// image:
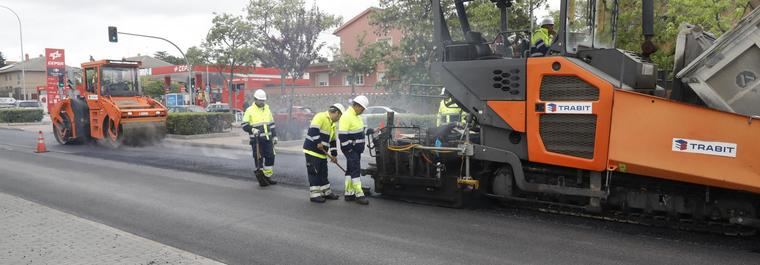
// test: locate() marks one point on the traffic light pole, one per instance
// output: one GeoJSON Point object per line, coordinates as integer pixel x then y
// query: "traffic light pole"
{"type": "Point", "coordinates": [187, 62]}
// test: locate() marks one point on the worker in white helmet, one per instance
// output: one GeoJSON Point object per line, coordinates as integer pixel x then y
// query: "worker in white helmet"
{"type": "Point", "coordinates": [448, 110]}
{"type": "Point", "coordinates": [319, 145]}
{"type": "Point", "coordinates": [351, 136]}
{"type": "Point", "coordinates": [541, 40]}
{"type": "Point", "coordinates": [259, 124]}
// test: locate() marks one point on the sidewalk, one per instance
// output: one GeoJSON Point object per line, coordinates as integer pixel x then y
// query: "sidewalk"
{"type": "Point", "coordinates": [35, 234]}
{"type": "Point", "coordinates": [234, 140]}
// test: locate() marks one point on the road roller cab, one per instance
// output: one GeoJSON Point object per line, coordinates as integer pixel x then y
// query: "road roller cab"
{"type": "Point", "coordinates": [110, 108]}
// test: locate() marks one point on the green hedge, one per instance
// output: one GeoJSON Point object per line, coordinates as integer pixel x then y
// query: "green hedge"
{"type": "Point", "coordinates": [402, 119]}
{"type": "Point", "coordinates": [198, 123]}
{"type": "Point", "coordinates": [20, 115]}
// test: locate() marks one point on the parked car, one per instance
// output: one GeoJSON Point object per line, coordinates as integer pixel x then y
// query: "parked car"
{"type": "Point", "coordinates": [7, 103]}
{"type": "Point", "coordinates": [28, 104]}
{"type": "Point", "coordinates": [186, 108]}
{"type": "Point", "coordinates": [373, 115]}
{"type": "Point", "coordinates": [296, 128]}
{"type": "Point", "coordinates": [218, 107]}
{"type": "Point", "coordinates": [382, 110]}
{"type": "Point", "coordinates": [238, 115]}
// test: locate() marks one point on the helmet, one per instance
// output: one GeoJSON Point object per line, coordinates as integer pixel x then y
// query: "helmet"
{"type": "Point", "coordinates": [547, 21]}
{"type": "Point", "coordinates": [339, 107]}
{"type": "Point", "coordinates": [362, 100]}
{"type": "Point", "coordinates": [443, 91]}
{"type": "Point", "coordinates": [260, 94]}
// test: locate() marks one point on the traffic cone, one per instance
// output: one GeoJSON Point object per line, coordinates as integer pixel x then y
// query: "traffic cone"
{"type": "Point", "coordinates": [41, 144]}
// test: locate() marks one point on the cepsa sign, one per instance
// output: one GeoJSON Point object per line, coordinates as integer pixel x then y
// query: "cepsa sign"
{"type": "Point", "coordinates": [55, 58]}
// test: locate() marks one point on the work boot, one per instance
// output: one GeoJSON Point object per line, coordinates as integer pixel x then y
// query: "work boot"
{"type": "Point", "coordinates": [318, 199]}
{"type": "Point", "coordinates": [260, 177]}
{"type": "Point", "coordinates": [362, 200]}
{"type": "Point", "coordinates": [349, 198]}
{"type": "Point", "coordinates": [271, 181]}
{"type": "Point", "coordinates": [331, 196]}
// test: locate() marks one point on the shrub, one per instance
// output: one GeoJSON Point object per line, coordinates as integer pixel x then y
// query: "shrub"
{"type": "Point", "coordinates": [20, 115]}
{"type": "Point", "coordinates": [187, 123]}
{"type": "Point", "coordinates": [219, 121]}
{"type": "Point", "coordinates": [198, 123]}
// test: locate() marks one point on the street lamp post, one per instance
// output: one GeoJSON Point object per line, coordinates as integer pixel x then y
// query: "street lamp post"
{"type": "Point", "coordinates": [21, 41]}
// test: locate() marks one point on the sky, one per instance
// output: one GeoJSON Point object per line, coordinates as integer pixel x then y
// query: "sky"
{"type": "Point", "coordinates": [80, 27]}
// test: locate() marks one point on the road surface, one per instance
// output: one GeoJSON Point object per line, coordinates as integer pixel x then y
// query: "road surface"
{"type": "Point", "coordinates": [205, 203]}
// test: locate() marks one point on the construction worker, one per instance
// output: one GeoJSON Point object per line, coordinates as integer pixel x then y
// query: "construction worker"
{"type": "Point", "coordinates": [259, 124]}
{"type": "Point", "coordinates": [541, 40]}
{"type": "Point", "coordinates": [351, 136]}
{"type": "Point", "coordinates": [448, 111]}
{"type": "Point", "coordinates": [319, 138]}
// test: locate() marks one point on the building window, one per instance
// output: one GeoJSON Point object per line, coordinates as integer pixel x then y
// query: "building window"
{"type": "Point", "coordinates": [323, 79]}
{"type": "Point", "coordinates": [380, 76]}
{"type": "Point", "coordinates": [359, 80]}
{"type": "Point", "coordinates": [388, 40]}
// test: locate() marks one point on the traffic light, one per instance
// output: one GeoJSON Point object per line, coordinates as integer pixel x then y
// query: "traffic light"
{"type": "Point", "coordinates": [60, 81]}
{"type": "Point", "coordinates": [113, 35]}
{"type": "Point", "coordinates": [192, 82]}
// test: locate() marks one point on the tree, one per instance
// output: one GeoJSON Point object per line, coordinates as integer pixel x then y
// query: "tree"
{"type": "Point", "coordinates": [228, 44]}
{"type": "Point", "coordinates": [408, 63]}
{"type": "Point", "coordinates": [287, 32]}
{"type": "Point", "coordinates": [716, 16]}
{"type": "Point", "coordinates": [2, 59]}
{"type": "Point", "coordinates": [155, 89]}
{"type": "Point", "coordinates": [196, 56]}
{"type": "Point", "coordinates": [363, 62]}
{"type": "Point", "coordinates": [166, 57]}
{"type": "Point", "coordinates": [485, 17]}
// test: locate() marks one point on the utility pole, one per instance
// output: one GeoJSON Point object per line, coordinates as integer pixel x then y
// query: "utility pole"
{"type": "Point", "coordinates": [21, 41]}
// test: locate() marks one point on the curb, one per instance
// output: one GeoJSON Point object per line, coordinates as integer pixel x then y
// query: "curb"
{"type": "Point", "coordinates": [10, 128]}
{"type": "Point", "coordinates": [202, 136]}
{"type": "Point", "coordinates": [25, 123]}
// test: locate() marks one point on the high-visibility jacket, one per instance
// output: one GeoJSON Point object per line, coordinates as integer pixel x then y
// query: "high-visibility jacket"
{"type": "Point", "coordinates": [351, 132]}
{"type": "Point", "coordinates": [448, 114]}
{"type": "Point", "coordinates": [321, 130]}
{"type": "Point", "coordinates": [540, 42]}
{"type": "Point", "coordinates": [260, 119]}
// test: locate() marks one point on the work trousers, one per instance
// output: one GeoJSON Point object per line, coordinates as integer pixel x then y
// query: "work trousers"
{"type": "Point", "coordinates": [263, 155]}
{"type": "Point", "coordinates": [316, 169]}
{"type": "Point", "coordinates": [353, 174]}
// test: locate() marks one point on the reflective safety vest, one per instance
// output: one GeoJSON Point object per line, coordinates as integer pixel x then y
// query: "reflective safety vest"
{"type": "Point", "coordinates": [321, 130]}
{"type": "Point", "coordinates": [540, 42]}
{"type": "Point", "coordinates": [448, 114]}
{"type": "Point", "coordinates": [260, 119]}
{"type": "Point", "coordinates": [351, 132]}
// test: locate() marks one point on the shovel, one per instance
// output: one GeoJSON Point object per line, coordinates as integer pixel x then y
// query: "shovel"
{"type": "Point", "coordinates": [332, 158]}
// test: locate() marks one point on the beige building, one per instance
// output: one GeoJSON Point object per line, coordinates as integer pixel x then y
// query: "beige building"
{"type": "Point", "coordinates": [35, 74]}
